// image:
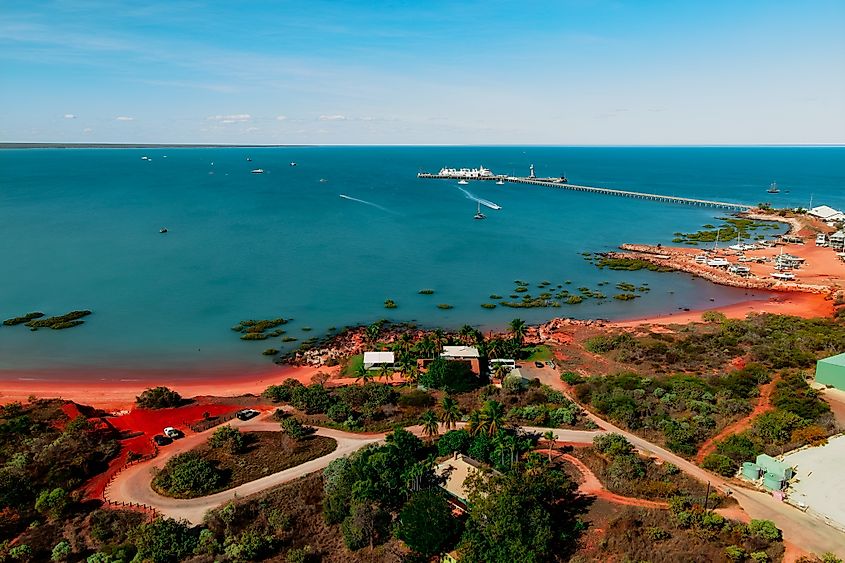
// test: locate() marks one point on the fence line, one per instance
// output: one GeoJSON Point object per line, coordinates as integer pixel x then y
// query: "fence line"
{"type": "Point", "coordinates": [130, 505]}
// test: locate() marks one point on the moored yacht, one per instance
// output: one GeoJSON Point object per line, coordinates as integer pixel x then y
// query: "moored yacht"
{"type": "Point", "coordinates": [463, 182]}
{"type": "Point", "coordinates": [258, 171]}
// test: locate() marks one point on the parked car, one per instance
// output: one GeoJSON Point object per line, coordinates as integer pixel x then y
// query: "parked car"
{"type": "Point", "coordinates": [161, 440]}
{"type": "Point", "coordinates": [173, 433]}
{"type": "Point", "coordinates": [539, 364]}
{"type": "Point", "coordinates": [246, 414]}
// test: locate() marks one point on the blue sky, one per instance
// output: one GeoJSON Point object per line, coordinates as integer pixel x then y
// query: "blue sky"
{"type": "Point", "coordinates": [486, 72]}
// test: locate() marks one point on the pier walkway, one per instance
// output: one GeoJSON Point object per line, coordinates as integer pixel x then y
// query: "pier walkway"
{"type": "Point", "coordinates": [558, 183]}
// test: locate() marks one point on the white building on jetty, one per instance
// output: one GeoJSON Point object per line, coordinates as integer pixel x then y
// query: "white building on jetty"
{"type": "Point", "coordinates": [469, 173]}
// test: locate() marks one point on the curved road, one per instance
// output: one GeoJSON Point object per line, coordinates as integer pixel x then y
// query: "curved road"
{"type": "Point", "coordinates": [133, 485]}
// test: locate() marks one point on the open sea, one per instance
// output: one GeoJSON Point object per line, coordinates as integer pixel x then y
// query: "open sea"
{"type": "Point", "coordinates": [79, 229]}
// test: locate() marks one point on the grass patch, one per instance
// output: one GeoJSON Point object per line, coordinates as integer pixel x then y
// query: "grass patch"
{"type": "Point", "coordinates": [541, 353]}
{"type": "Point", "coordinates": [353, 365]}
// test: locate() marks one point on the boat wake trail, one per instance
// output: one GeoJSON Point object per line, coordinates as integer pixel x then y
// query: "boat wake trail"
{"type": "Point", "coordinates": [484, 202]}
{"type": "Point", "coordinates": [370, 203]}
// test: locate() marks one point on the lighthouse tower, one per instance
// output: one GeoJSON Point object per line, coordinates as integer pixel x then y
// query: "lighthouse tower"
{"type": "Point", "coordinates": [531, 175]}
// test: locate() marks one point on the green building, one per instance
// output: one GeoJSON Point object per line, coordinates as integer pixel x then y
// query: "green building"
{"type": "Point", "coordinates": [831, 371]}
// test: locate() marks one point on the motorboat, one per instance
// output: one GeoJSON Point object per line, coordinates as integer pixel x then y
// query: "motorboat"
{"type": "Point", "coordinates": [145, 158]}
{"type": "Point", "coordinates": [293, 164]}
{"type": "Point", "coordinates": [163, 230]}
{"type": "Point", "coordinates": [784, 276]}
{"type": "Point", "coordinates": [463, 182]}
{"type": "Point", "coordinates": [478, 213]}
{"type": "Point", "coordinates": [700, 259]}
{"type": "Point", "coordinates": [739, 270]}
{"type": "Point", "coordinates": [248, 159]}
{"type": "Point", "coordinates": [718, 263]}
{"type": "Point", "coordinates": [500, 183]}
{"type": "Point", "coordinates": [773, 189]}
{"type": "Point", "coordinates": [323, 180]}
{"type": "Point", "coordinates": [258, 171]}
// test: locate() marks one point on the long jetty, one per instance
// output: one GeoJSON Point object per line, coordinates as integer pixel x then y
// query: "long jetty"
{"type": "Point", "coordinates": [559, 183]}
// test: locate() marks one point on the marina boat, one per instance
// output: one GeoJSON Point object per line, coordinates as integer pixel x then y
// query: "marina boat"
{"type": "Point", "coordinates": [701, 259]}
{"type": "Point", "coordinates": [773, 189]}
{"type": "Point", "coordinates": [718, 263]}
{"type": "Point", "coordinates": [785, 276]}
{"type": "Point", "coordinates": [463, 182]}
{"type": "Point", "coordinates": [163, 230]}
{"type": "Point", "coordinates": [248, 159]}
{"type": "Point", "coordinates": [258, 171]}
{"type": "Point", "coordinates": [145, 158]}
{"type": "Point", "coordinates": [821, 239]}
{"type": "Point", "coordinates": [500, 183]}
{"type": "Point", "coordinates": [739, 270]}
{"type": "Point", "coordinates": [478, 213]}
{"type": "Point", "coordinates": [293, 164]}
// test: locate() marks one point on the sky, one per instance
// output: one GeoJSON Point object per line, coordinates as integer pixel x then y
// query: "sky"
{"type": "Point", "coordinates": [564, 72]}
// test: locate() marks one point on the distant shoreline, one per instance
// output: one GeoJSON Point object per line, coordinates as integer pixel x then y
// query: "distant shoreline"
{"type": "Point", "coordinates": [136, 146]}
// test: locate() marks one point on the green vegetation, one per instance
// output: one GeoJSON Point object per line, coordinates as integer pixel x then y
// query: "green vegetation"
{"type": "Point", "coordinates": [452, 377]}
{"type": "Point", "coordinates": [625, 296]}
{"type": "Point", "coordinates": [188, 475]}
{"type": "Point", "coordinates": [20, 320]}
{"type": "Point", "coordinates": [541, 353]}
{"type": "Point", "coordinates": [730, 229]}
{"type": "Point", "coordinates": [800, 417]}
{"type": "Point", "coordinates": [270, 352]}
{"type": "Point", "coordinates": [426, 292]}
{"type": "Point", "coordinates": [158, 398]}
{"type": "Point", "coordinates": [775, 341]}
{"type": "Point", "coordinates": [445, 306]}
{"type": "Point", "coordinates": [37, 320]}
{"type": "Point", "coordinates": [682, 409]}
{"type": "Point", "coordinates": [495, 296]}
{"type": "Point", "coordinates": [426, 523]}
{"type": "Point", "coordinates": [629, 264]}
{"type": "Point", "coordinates": [254, 336]}
{"type": "Point", "coordinates": [228, 437]}
{"type": "Point", "coordinates": [488, 305]}
{"type": "Point", "coordinates": [389, 304]}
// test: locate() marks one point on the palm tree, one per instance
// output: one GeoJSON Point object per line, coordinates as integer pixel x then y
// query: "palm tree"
{"type": "Point", "coordinates": [408, 367]}
{"type": "Point", "coordinates": [450, 413]}
{"type": "Point", "coordinates": [363, 374]}
{"type": "Point", "coordinates": [518, 329]}
{"type": "Point", "coordinates": [426, 347]}
{"type": "Point", "coordinates": [467, 334]}
{"type": "Point", "coordinates": [438, 336]}
{"type": "Point", "coordinates": [404, 343]}
{"type": "Point", "coordinates": [550, 437]}
{"type": "Point", "coordinates": [501, 371]}
{"type": "Point", "coordinates": [373, 331]}
{"type": "Point", "coordinates": [385, 372]}
{"type": "Point", "coordinates": [492, 417]}
{"type": "Point", "coordinates": [474, 424]}
{"type": "Point", "coordinates": [494, 348]}
{"type": "Point", "coordinates": [430, 424]}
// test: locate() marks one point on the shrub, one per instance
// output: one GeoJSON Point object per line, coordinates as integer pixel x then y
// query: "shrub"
{"type": "Point", "coordinates": [282, 393]}
{"type": "Point", "coordinates": [760, 557]}
{"type": "Point", "coordinates": [295, 429]}
{"type": "Point", "coordinates": [764, 529]}
{"type": "Point", "coordinates": [158, 398]}
{"type": "Point", "coordinates": [445, 306]}
{"type": "Point", "coordinates": [389, 304]}
{"type": "Point", "coordinates": [453, 441]}
{"type": "Point", "coordinates": [571, 378]}
{"type": "Point", "coordinates": [734, 553]}
{"type": "Point", "coordinates": [416, 398]}
{"type": "Point", "coordinates": [339, 412]}
{"type": "Point", "coordinates": [52, 503]}
{"type": "Point", "coordinates": [657, 534]}
{"type": "Point", "coordinates": [227, 436]}
{"type": "Point", "coordinates": [188, 475]}
{"type": "Point", "coordinates": [426, 522]}
{"type": "Point", "coordinates": [721, 464]}
{"type": "Point", "coordinates": [61, 551]}
{"type": "Point", "coordinates": [164, 541]}
{"type": "Point", "coordinates": [613, 445]}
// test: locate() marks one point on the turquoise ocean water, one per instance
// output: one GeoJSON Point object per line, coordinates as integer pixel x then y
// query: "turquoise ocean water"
{"type": "Point", "coordinates": [79, 229]}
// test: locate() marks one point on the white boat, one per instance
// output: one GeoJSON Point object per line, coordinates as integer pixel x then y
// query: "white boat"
{"type": "Point", "coordinates": [163, 230]}
{"type": "Point", "coordinates": [739, 270]}
{"type": "Point", "coordinates": [293, 164]}
{"type": "Point", "coordinates": [821, 239]}
{"type": "Point", "coordinates": [258, 171]}
{"type": "Point", "coordinates": [718, 263]}
{"type": "Point", "coordinates": [700, 259]}
{"type": "Point", "coordinates": [500, 183]}
{"type": "Point", "coordinates": [773, 189]}
{"type": "Point", "coordinates": [145, 158]}
{"type": "Point", "coordinates": [478, 213]}
{"type": "Point", "coordinates": [323, 180]}
{"type": "Point", "coordinates": [463, 182]}
{"type": "Point", "coordinates": [785, 276]}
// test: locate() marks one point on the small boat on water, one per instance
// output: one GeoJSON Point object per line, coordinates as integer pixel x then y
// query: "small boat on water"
{"type": "Point", "coordinates": [248, 159]}
{"type": "Point", "coordinates": [323, 180]}
{"type": "Point", "coordinates": [500, 183]}
{"type": "Point", "coordinates": [145, 158]}
{"type": "Point", "coordinates": [463, 182]}
{"type": "Point", "coordinates": [773, 189]}
{"type": "Point", "coordinates": [258, 171]}
{"type": "Point", "coordinates": [478, 213]}
{"type": "Point", "coordinates": [293, 164]}
{"type": "Point", "coordinates": [163, 230]}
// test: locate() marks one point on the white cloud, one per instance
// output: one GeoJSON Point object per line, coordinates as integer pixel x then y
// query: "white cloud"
{"type": "Point", "coordinates": [70, 116]}
{"type": "Point", "coordinates": [124, 118]}
{"type": "Point", "coordinates": [281, 117]}
{"type": "Point", "coordinates": [236, 118]}
{"type": "Point", "coordinates": [332, 118]}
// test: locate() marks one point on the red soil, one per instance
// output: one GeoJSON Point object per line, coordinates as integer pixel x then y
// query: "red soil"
{"type": "Point", "coordinates": [763, 405]}
{"type": "Point", "coordinates": [147, 423]}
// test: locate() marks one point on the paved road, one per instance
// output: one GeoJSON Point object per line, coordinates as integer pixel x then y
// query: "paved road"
{"type": "Point", "coordinates": [133, 484]}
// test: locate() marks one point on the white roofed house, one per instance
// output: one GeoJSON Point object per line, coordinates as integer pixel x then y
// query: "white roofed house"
{"type": "Point", "coordinates": [827, 214]}
{"type": "Point", "coordinates": [377, 360]}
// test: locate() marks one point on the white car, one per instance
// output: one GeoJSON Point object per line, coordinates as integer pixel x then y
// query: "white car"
{"type": "Point", "coordinates": [171, 432]}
